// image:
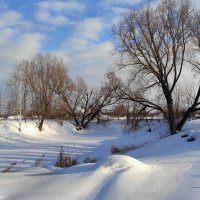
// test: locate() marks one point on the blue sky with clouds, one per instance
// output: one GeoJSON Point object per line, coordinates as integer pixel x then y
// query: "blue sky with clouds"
{"type": "Point", "coordinates": [79, 31]}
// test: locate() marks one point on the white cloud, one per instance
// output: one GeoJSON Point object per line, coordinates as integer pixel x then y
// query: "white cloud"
{"type": "Point", "coordinates": [89, 28]}
{"type": "Point", "coordinates": [85, 33]}
{"type": "Point", "coordinates": [6, 34]}
{"type": "Point", "coordinates": [55, 12]}
{"type": "Point", "coordinates": [120, 2]}
{"type": "Point", "coordinates": [13, 51]}
{"type": "Point", "coordinates": [14, 19]}
{"type": "Point", "coordinates": [26, 25]}
{"type": "Point", "coordinates": [57, 20]}
{"type": "Point", "coordinates": [23, 47]}
{"type": "Point", "coordinates": [91, 64]}
{"type": "Point", "coordinates": [119, 10]}
{"type": "Point", "coordinates": [74, 44]}
{"type": "Point", "coordinates": [16, 41]}
{"type": "Point", "coordinates": [87, 56]}
{"type": "Point", "coordinates": [58, 5]}
{"type": "Point", "coordinates": [10, 18]}
{"type": "Point", "coordinates": [42, 16]}
{"type": "Point", "coordinates": [26, 45]}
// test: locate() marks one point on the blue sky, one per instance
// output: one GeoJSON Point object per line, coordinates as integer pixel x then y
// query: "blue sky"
{"type": "Point", "coordinates": [79, 31]}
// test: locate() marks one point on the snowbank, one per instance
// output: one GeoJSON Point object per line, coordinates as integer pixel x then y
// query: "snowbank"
{"type": "Point", "coordinates": [165, 168]}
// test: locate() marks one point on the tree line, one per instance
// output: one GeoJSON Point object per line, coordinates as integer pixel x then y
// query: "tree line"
{"type": "Point", "coordinates": [46, 89]}
{"type": "Point", "coordinates": [155, 44]}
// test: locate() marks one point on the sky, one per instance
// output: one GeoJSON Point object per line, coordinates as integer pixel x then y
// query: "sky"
{"type": "Point", "coordinates": [79, 31]}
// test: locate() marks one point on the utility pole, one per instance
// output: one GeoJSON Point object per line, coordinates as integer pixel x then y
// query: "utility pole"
{"type": "Point", "coordinates": [61, 122]}
{"type": "Point", "coordinates": [20, 100]}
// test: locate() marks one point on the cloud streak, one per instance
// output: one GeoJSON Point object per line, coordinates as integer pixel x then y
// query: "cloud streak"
{"type": "Point", "coordinates": [56, 12]}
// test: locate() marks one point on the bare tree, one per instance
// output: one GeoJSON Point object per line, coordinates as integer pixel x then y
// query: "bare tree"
{"type": "Point", "coordinates": [194, 61]}
{"type": "Point", "coordinates": [83, 103]}
{"type": "Point", "coordinates": [153, 44]}
{"type": "Point", "coordinates": [119, 111]}
{"type": "Point", "coordinates": [41, 76]}
{"type": "Point", "coordinates": [13, 94]}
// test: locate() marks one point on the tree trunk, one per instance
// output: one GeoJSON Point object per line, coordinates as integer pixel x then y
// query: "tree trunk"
{"type": "Point", "coordinates": [188, 112]}
{"type": "Point", "coordinates": [184, 119]}
{"type": "Point", "coordinates": [86, 122]}
{"type": "Point", "coordinates": [41, 123]}
{"type": "Point", "coordinates": [171, 115]}
{"type": "Point", "coordinates": [172, 125]}
{"type": "Point", "coordinates": [182, 122]}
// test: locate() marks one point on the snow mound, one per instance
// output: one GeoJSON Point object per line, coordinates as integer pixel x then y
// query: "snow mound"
{"type": "Point", "coordinates": [122, 162]}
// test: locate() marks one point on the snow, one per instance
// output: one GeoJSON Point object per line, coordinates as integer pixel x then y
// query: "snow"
{"type": "Point", "coordinates": [162, 168]}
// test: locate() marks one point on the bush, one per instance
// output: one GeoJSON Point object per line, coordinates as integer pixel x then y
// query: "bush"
{"type": "Point", "coordinates": [116, 150]}
{"type": "Point", "coordinates": [90, 160]}
{"type": "Point", "coordinates": [124, 149]}
{"type": "Point", "coordinates": [64, 160]}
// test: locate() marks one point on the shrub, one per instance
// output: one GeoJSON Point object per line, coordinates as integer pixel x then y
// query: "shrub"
{"type": "Point", "coordinates": [124, 149]}
{"type": "Point", "coordinates": [64, 160]}
{"type": "Point", "coordinates": [116, 150]}
{"type": "Point", "coordinates": [90, 160]}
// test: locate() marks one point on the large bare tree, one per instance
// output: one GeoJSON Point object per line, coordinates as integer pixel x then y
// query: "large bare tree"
{"type": "Point", "coordinates": [153, 45]}
{"type": "Point", "coordinates": [83, 103]}
{"type": "Point", "coordinates": [193, 59]}
{"type": "Point", "coordinates": [41, 73]}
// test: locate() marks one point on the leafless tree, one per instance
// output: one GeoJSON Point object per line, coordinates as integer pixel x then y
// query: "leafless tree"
{"type": "Point", "coordinates": [194, 61]}
{"type": "Point", "coordinates": [13, 94]}
{"type": "Point", "coordinates": [41, 74]}
{"type": "Point", "coordinates": [83, 103]}
{"type": "Point", "coordinates": [119, 110]}
{"type": "Point", "coordinates": [153, 44]}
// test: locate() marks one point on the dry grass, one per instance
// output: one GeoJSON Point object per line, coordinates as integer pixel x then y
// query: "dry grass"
{"type": "Point", "coordinates": [39, 161]}
{"type": "Point", "coordinates": [90, 160]}
{"type": "Point", "coordinates": [64, 160]}
{"type": "Point", "coordinates": [124, 149]}
{"type": "Point", "coordinates": [11, 166]}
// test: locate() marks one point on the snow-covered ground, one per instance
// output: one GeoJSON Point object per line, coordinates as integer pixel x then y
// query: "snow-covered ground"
{"type": "Point", "coordinates": [163, 168]}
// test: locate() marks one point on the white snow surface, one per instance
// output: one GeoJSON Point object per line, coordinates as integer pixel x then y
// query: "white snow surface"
{"type": "Point", "coordinates": [162, 168]}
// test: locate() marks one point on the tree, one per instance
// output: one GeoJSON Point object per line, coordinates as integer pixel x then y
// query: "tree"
{"type": "Point", "coordinates": [13, 94]}
{"type": "Point", "coordinates": [83, 103]}
{"type": "Point", "coordinates": [153, 44]}
{"type": "Point", "coordinates": [119, 111]}
{"type": "Point", "coordinates": [42, 77]}
{"type": "Point", "coordinates": [194, 61]}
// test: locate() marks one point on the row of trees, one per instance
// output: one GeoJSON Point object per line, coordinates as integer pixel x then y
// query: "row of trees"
{"type": "Point", "coordinates": [155, 44]}
{"type": "Point", "coordinates": [47, 90]}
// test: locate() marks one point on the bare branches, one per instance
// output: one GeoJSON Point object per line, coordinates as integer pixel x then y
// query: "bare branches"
{"type": "Point", "coordinates": [41, 75]}
{"type": "Point", "coordinates": [155, 41]}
